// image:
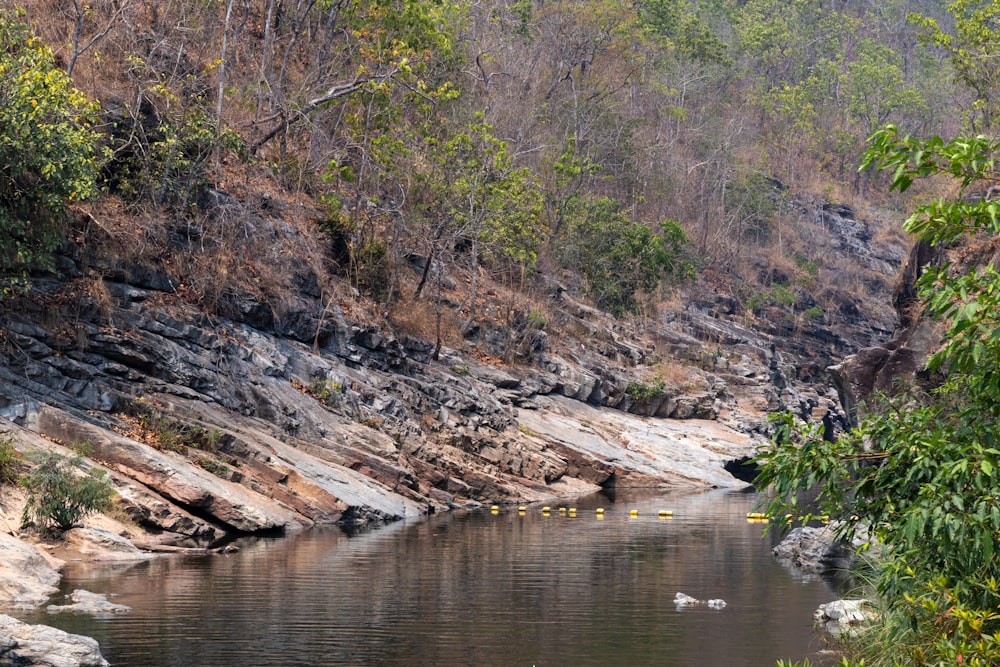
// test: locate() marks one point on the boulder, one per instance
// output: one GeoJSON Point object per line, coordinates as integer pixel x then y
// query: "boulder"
{"type": "Point", "coordinates": [814, 550]}
{"type": "Point", "coordinates": [27, 578]}
{"type": "Point", "coordinates": [24, 645]}
{"type": "Point", "coordinates": [842, 616]}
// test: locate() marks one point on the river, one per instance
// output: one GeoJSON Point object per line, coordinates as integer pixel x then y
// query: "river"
{"type": "Point", "coordinates": [472, 588]}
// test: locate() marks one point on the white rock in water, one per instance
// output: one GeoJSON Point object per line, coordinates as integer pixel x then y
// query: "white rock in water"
{"type": "Point", "coordinates": [85, 602]}
{"type": "Point", "coordinates": [841, 615]}
{"type": "Point", "coordinates": [683, 600]}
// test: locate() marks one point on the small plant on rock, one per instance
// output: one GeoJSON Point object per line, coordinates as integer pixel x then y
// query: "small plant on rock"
{"type": "Point", "coordinates": [59, 495]}
{"type": "Point", "coordinates": [214, 466]}
{"type": "Point", "coordinates": [326, 391]}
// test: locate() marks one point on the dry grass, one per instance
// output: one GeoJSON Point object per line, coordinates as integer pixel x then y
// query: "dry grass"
{"type": "Point", "coordinates": [676, 374]}
{"type": "Point", "coordinates": [420, 318]}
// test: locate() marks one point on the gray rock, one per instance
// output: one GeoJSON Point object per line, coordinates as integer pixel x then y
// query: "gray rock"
{"type": "Point", "coordinates": [24, 645]}
{"type": "Point", "coordinates": [85, 602]}
{"type": "Point", "coordinates": [27, 578]}
{"type": "Point", "coordinates": [841, 616]}
{"type": "Point", "coordinates": [102, 545]}
{"type": "Point", "coordinates": [814, 550]}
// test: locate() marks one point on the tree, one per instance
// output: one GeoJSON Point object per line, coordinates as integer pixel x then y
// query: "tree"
{"type": "Point", "coordinates": [973, 48]}
{"type": "Point", "coordinates": [876, 87]}
{"type": "Point", "coordinates": [47, 151]}
{"type": "Point", "coordinates": [59, 496]}
{"type": "Point", "coordinates": [619, 257]}
{"type": "Point", "coordinates": [922, 472]}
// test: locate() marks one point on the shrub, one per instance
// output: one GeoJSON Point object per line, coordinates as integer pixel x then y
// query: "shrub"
{"type": "Point", "coordinates": [58, 496]}
{"type": "Point", "coordinates": [214, 466]}
{"type": "Point", "coordinates": [642, 390]}
{"type": "Point", "coordinates": [9, 460]}
{"type": "Point", "coordinates": [618, 256]}
{"type": "Point", "coordinates": [47, 149]}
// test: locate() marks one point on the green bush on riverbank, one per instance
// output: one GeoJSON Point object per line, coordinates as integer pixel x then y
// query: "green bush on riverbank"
{"type": "Point", "coordinates": [922, 470]}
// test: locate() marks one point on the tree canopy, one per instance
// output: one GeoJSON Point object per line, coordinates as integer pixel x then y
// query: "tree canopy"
{"type": "Point", "coordinates": [48, 150]}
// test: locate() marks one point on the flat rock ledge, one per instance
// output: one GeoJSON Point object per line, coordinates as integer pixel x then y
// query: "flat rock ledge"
{"type": "Point", "coordinates": [102, 545]}
{"type": "Point", "coordinates": [25, 645]}
{"type": "Point", "coordinates": [85, 602]}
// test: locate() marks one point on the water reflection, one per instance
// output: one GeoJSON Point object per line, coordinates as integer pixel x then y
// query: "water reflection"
{"type": "Point", "coordinates": [472, 588]}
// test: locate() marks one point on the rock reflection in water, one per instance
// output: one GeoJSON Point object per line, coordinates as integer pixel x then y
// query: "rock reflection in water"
{"type": "Point", "coordinates": [473, 588]}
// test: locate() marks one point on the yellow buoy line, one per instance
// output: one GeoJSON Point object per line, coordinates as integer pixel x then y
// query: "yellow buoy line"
{"type": "Point", "coordinates": [546, 510]}
{"type": "Point", "coordinates": [571, 511]}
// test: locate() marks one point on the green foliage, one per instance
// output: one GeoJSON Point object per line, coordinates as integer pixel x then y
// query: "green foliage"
{"type": "Point", "coordinates": [326, 391]}
{"type": "Point", "coordinates": [813, 313]}
{"type": "Point", "coordinates": [972, 42]}
{"type": "Point", "coordinates": [877, 88]}
{"type": "Point", "coordinates": [776, 295]}
{"type": "Point", "coordinates": [214, 466]}
{"type": "Point", "coordinates": [536, 319]}
{"type": "Point", "coordinates": [484, 196]}
{"type": "Point", "coordinates": [47, 151]}
{"type": "Point", "coordinates": [678, 22]}
{"type": "Point", "coordinates": [10, 460]}
{"type": "Point", "coordinates": [618, 256]}
{"type": "Point", "coordinates": [922, 472]}
{"type": "Point", "coordinates": [644, 390]}
{"type": "Point", "coordinates": [165, 432]}
{"type": "Point", "coordinates": [362, 254]}
{"type": "Point", "coordinates": [165, 159]}
{"type": "Point", "coordinates": [752, 203]}
{"type": "Point", "coordinates": [842, 662]}
{"type": "Point", "coordinates": [59, 495]}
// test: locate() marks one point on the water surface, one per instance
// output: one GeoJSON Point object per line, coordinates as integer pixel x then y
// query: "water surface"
{"type": "Point", "coordinates": [472, 588]}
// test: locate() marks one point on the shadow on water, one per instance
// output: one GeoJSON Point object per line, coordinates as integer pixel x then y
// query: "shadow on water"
{"type": "Point", "coordinates": [473, 588]}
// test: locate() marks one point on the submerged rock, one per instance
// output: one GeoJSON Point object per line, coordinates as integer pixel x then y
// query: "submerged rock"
{"type": "Point", "coordinates": [27, 645]}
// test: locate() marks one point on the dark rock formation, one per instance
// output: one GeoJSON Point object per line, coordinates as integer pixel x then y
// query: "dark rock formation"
{"type": "Point", "coordinates": [815, 550]}
{"type": "Point", "coordinates": [901, 359]}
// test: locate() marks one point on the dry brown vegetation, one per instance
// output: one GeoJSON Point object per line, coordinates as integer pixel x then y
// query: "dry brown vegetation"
{"type": "Point", "coordinates": [261, 146]}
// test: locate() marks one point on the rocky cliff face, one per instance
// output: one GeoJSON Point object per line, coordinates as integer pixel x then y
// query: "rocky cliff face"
{"type": "Point", "coordinates": [271, 418]}
{"type": "Point", "coordinates": [215, 426]}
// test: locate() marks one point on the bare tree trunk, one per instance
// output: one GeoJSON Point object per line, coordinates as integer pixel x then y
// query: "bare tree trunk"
{"type": "Point", "coordinates": [78, 31]}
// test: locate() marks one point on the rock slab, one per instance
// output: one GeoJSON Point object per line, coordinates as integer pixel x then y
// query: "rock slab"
{"type": "Point", "coordinates": [27, 578]}
{"type": "Point", "coordinates": [25, 645]}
